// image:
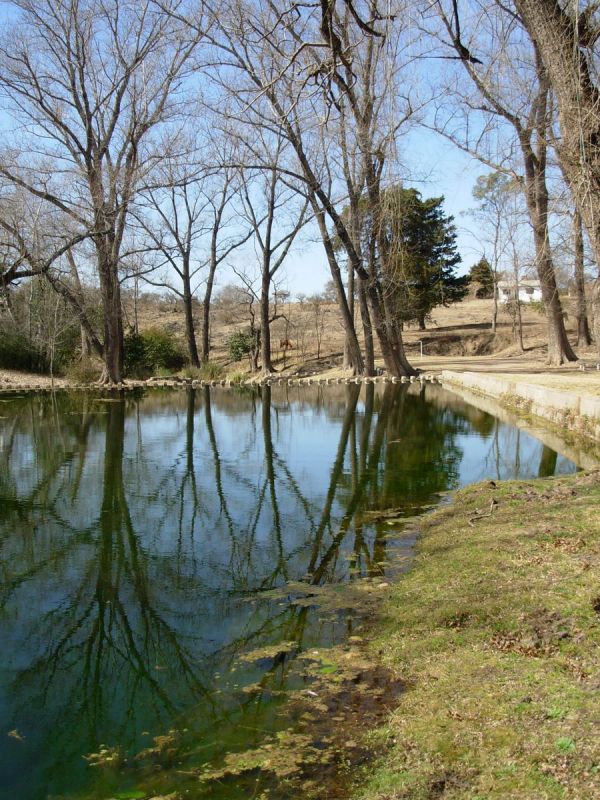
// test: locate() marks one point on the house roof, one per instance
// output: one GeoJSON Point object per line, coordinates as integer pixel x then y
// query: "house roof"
{"type": "Point", "coordinates": [510, 284]}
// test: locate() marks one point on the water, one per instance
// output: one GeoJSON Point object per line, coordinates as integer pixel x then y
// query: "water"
{"type": "Point", "coordinates": [139, 539]}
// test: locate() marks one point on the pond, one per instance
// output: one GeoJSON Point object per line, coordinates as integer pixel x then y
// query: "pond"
{"type": "Point", "coordinates": [148, 544]}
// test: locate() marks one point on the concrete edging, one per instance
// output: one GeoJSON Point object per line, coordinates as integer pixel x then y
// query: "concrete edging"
{"type": "Point", "coordinates": [575, 412]}
{"type": "Point", "coordinates": [176, 383]}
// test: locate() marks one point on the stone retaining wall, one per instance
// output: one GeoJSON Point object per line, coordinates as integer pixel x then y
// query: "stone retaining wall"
{"type": "Point", "coordinates": [175, 383]}
{"type": "Point", "coordinates": [575, 412]}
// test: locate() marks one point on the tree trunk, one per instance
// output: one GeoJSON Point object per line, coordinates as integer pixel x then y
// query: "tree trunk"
{"type": "Point", "coordinates": [190, 333]}
{"type": "Point", "coordinates": [355, 358]}
{"type": "Point", "coordinates": [584, 337]}
{"type": "Point", "coordinates": [518, 318]}
{"type": "Point", "coordinates": [188, 309]}
{"type": "Point", "coordinates": [520, 328]}
{"type": "Point", "coordinates": [136, 327]}
{"type": "Point", "coordinates": [86, 348]}
{"type": "Point", "coordinates": [206, 302]}
{"type": "Point", "coordinates": [389, 337]}
{"type": "Point", "coordinates": [369, 367]}
{"type": "Point", "coordinates": [265, 324]}
{"type": "Point", "coordinates": [495, 303]}
{"type": "Point", "coordinates": [421, 320]}
{"type": "Point", "coordinates": [595, 303]}
{"type": "Point", "coordinates": [352, 279]}
{"type": "Point", "coordinates": [110, 289]}
{"type": "Point", "coordinates": [495, 271]}
{"type": "Point", "coordinates": [383, 315]}
{"type": "Point", "coordinates": [536, 195]}
{"type": "Point", "coordinates": [347, 363]}
{"type": "Point", "coordinates": [559, 347]}
{"type": "Point", "coordinates": [206, 325]}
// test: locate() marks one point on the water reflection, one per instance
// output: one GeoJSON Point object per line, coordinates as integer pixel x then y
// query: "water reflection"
{"type": "Point", "coordinates": [138, 538]}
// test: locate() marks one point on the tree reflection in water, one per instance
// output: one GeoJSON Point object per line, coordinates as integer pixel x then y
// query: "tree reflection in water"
{"type": "Point", "coordinates": [138, 538]}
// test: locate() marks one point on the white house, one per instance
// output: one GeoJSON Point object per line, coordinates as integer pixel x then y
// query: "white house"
{"type": "Point", "coordinates": [529, 291]}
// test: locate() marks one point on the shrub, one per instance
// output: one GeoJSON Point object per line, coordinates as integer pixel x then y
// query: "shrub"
{"type": "Point", "coordinates": [150, 351]}
{"type": "Point", "coordinates": [66, 345]}
{"type": "Point", "coordinates": [135, 354]}
{"type": "Point", "coordinates": [236, 377]}
{"type": "Point", "coordinates": [537, 306]}
{"type": "Point", "coordinates": [162, 350]}
{"type": "Point", "coordinates": [208, 371]}
{"type": "Point", "coordinates": [17, 352]}
{"type": "Point", "coordinates": [239, 345]}
{"type": "Point", "coordinates": [83, 371]}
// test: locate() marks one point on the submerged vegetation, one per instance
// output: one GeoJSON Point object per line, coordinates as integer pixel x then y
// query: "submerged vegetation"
{"type": "Point", "coordinates": [474, 676]}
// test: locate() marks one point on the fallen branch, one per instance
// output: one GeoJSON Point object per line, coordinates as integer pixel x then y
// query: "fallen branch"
{"type": "Point", "coordinates": [479, 515]}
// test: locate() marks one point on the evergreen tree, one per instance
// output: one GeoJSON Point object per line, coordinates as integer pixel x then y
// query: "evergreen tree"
{"type": "Point", "coordinates": [421, 253]}
{"type": "Point", "coordinates": [482, 273]}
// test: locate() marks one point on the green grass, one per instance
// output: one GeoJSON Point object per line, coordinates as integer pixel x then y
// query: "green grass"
{"type": "Point", "coordinates": [496, 633]}
{"type": "Point", "coordinates": [207, 371]}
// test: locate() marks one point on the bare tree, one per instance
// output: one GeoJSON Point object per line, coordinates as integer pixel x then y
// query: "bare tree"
{"type": "Point", "coordinates": [91, 81]}
{"type": "Point", "coordinates": [247, 301]}
{"type": "Point", "coordinates": [222, 245]}
{"type": "Point", "coordinates": [317, 305]}
{"type": "Point", "coordinates": [171, 216]}
{"type": "Point", "coordinates": [269, 199]}
{"type": "Point", "coordinates": [565, 36]}
{"type": "Point", "coordinates": [512, 92]}
{"type": "Point", "coordinates": [288, 77]}
{"type": "Point", "coordinates": [583, 329]}
{"type": "Point", "coordinates": [31, 241]}
{"type": "Point", "coordinates": [490, 213]}
{"type": "Point", "coordinates": [513, 306]}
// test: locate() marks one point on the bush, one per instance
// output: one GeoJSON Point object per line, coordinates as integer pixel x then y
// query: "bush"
{"type": "Point", "coordinates": [236, 377]}
{"type": "Point", "coordinates": [537, 306]}
{"type": "Point", "coordinates": [162, 350]}
{"type": "Point", "coordinates": [150, 351]}
{"type": "Point", "coordinates": [209, 371]}
{"type": "Point", "coordinates": [83, 371]}
{"type": "Point", "coordinates": [239, 345]}
{"type": "Point", "coordinates": [66, 346]}
{"type": "Point", "coordinates": [17, 352]}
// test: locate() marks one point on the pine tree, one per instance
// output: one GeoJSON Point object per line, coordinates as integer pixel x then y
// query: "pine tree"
{"type": "Point", "coordinates": [420, 253]}
{"type": "Point", "coordinates": [422, 241]}
{"type": "Point", "coordinates": [482, 273]}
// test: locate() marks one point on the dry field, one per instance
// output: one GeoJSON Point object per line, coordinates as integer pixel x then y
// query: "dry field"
{"type": "Point", "coordinates": [457, 337]}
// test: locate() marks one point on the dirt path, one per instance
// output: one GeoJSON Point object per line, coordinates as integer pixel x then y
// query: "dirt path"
{"type": "Point", "coordinates": [567, 378]}
{"type": "Point", "coordinates": [12, 378]}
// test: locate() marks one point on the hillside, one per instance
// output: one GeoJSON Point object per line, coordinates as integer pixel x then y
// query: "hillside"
{"type": "Point", "coordinates": [316, 335]}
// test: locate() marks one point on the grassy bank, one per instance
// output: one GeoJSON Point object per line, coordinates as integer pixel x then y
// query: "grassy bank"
{"type": "Point", "coordinates": [497, 629]}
